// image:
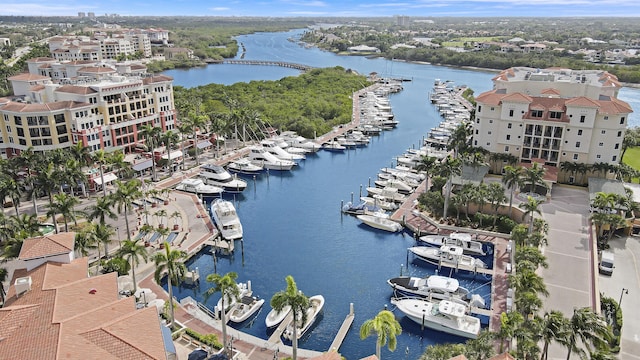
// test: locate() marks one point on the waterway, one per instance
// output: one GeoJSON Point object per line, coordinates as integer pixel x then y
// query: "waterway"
{"type": "Point", "coordinates": [292, 220]}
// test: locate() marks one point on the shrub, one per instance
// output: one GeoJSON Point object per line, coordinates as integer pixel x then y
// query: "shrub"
{"type": "Point", "coordinates": [207, 339]}
{"type": "Point", "coordinates": [612, 313]}
{"type": "Point", "coordinates": [505, 224]}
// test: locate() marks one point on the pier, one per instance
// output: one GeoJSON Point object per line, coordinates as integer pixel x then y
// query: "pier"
{"type": "Point", "coordinates": [344, 329]}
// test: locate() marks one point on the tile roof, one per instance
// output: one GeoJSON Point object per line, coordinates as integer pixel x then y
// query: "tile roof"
{"type": "Point", "coordinates": [48, 245]}
{"type": "Point", "coordinates": [490, 98]}
{"type": "Point", "coordinates": [518, 97]}
{"type": "Point", "coordinates": [52, 106]}
{"type": "Point", "coordinates": [41, 59]}
{"type": "Point", "coordinates": [582, 101]}
{"type": "Point", "coordinates": [614, 106]}
{"type": "Point", "coordinates": [550, 91]}
{"type": "Point", "coordinates": [62, 318]}
{"type": "Point", "coordinates": [504, 356]}
{"type": "Point", "coordinates": [156, 78]}
{"type": "Point", "coordinates": [73, 89]}
{"type": "Point", "coordinates": [27, 77]}
{"type": "Point", "coordinates": [96, 69]}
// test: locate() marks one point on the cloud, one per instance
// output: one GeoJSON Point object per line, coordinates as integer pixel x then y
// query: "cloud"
{"type": "Point", "coordinates": [312, 3]}
{"type": "Point", "coordinates": [219, 9]}
{"type": "Point", "coordinates": [40, 9]}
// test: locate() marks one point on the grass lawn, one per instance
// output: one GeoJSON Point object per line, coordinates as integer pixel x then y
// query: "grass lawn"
{"type": "Point", "coordinates": [632, 158]}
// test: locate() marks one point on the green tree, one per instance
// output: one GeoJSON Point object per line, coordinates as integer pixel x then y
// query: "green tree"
{"type": "Point", "coordinates": [447, 169]}
{"type": "Point", "coordinates": [126, 193]}
{"type": "Point", "coordinates": [480, 348]}
{"type": "Point", "coordinates": [530, 208]}
{"type": "Point", "coordinates": [169, 138]}
{"type": "Point", "coordinates": [587, 326]}
{"type": "Point", "coordinates": [386, 328]}
{"type": "Point", "coordinates": [64, 205]}
{"type": "Point", "coordinates": [512, 178]}
{"type": "Point", "coordinates": [299, 304]}
{"type": "Point", "coordinates": [100, 158]}
{"type": "Point", "coordinates": [3, 277]}
{"type": "Point", "coordinates": [510, 322]}
{"type": "Point", "coordinates": [85, 241]}
{"type": "Point", "coordinates": [555, 327]}
{"type": "Point", "coordinates": [229, 292]}
{"type": "Point", "coordinates": [533, 177]}
{"type": "Point", "coordinates": [151, 136]}
{"type": "Point", "coordinates": [496, 196]}
{"type": "Point", "coordinates": [170, 262]}
{"type": "Point", "coordinates": [133, 251]}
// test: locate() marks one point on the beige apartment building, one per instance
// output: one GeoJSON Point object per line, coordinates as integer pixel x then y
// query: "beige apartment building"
{"type": "Point", "coordinates": [552, 116]}
{"type": "Point", "coordinates": [101, 105]}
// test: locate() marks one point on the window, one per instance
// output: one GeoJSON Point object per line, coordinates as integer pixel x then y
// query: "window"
{"type": "Point", "coordinates": [617, 146]}
{"type": "Point", "coordinates": [601, 144]}
{"type": "Point", "coordinates": [477, 132]}
{"type": "Point", "coordinates": [619, 133]}
{"type": "Point", "coordinates": [488, 132]}
{"type": "Point", "coordinates": [622, 120]}
{"type": "Point", "coordinates": [575, 156]}
{"type": "Point", "coordinates": [479, 108]}
{"type": "Point", "coordinates": [511, 113]}
{"type": "Point", "coordinates": [488, 144]}
{"type": "Point", "coordinates": [614, 158]}
{"type": "Point", "coordinates": [603, 132]}
{"type": "Point", "coordinates": [506, 148]}
{"type": "Point", "coordinates": [492, 108]}
{"type": "Point", "coordinates": [579, 132]}
{"type": "Point", "coordinates": [607, 118]}
{"type": "Point", "coordinates": [490, 121]}
{"type": "Point", "coordinates": [577, 144]}
{"type": "Point", "coordinates": [555, 115]}
{"type": "Point", "coordinates": [509, 126]}
{"type": "Point", "coordinates": [508, 137]}
{"type": "Point", "coordinates": [582, 118]}
{"type": "Point", "coordinates": [598, 156]}
{"type": "Point", "coordinates": [536, 113]}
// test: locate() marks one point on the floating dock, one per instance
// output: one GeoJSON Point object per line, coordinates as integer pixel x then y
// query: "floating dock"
{"type": "Point", "coordinates": [344, 329]}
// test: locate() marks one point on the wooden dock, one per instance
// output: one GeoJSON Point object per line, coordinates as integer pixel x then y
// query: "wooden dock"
{"type": "Point", "coordinates": [276, 337]}
{"type": "Point", "coordinates": [344, 329]}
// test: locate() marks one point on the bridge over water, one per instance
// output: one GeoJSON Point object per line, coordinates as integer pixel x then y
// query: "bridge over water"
{"type": "Point", "coordinates": [264, 63]}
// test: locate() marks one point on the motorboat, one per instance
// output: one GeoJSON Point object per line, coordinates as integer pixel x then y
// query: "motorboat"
{"type": "Point", "coordinates": [198, 187]}
{"type": "Point", "coordinates": [279, 152]}
{"type": "Point", "coordinates": [359, 209]}
{"type": "Point", "coordinates": [403, 187]}
{"type": "Point", "coordinates": [387, 176]}
{"type": "Point", "coordinates": [446, 316]}
{"type": "Point", "coordinates": [434, 287]}
{"type": "Point", "coordinates": [244, 289]}
{"type": "Point", "coordinates": [261, 157]}
{"type": "Point", "coordinates": [404, 172]}
{"type": "Point", "coordinates": [447, 256]}
{"type": "Point", "coordinates": [377, 201]}
{"type": "Point", "coordinates": [333, 146]}
{"type": "Point", "coordinates": [244, 166]}
{"type": "Point", "coordinates": [296, 140]}
{"type": "Point", "coordinates": [244, 309]}
{"type": "Point", "coordinates": [463, 240]}
{"type": "Point", "coordinates": [386, 193]}
{"type": "Point", "coordinates": [379, 222]}
{"type": "Point", "coordinates": [226, 219]}
{"type": "Point", "coordinates": [316, 303]}
{"type": "Point", "coordinates": [274, 318]}
{"type": "Point", "coordinates": [216, 175]}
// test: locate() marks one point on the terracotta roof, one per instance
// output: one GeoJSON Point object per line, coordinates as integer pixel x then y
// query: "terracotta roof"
{"type": "Point", "coordinates": [518, 97]}
{"type": "Point", "coordinates": [28, 77]}
{"type": "Point", "coordinates": [73, 89]}
{"type": "Point", "coordinates": [156, 78]}
{"type": "Point", "coordinates": [504, 356]}
{"type": "Point", "coordinates": [49, 245]}
{"type": "Point", "coordinates": [67, 315]}
{"type": "Point", "coordinates": [53, 106]}
{"type": "Point", "coordinates": [41, 59]}
{"type": "Point", "coordinates": [614, 106]}
{"type": "Point", "coordinates": [96, 69]}
{"type": "Point", "coordinates": [490, 98]}
{"type": "Point", "coordinates": [550, 91]}
{"type": "Point", "coordinates": [80, 62]}
{"type": "Point", "coordinates": [582, 101]}
{"type": "Point", "coordinates": [37, 88]}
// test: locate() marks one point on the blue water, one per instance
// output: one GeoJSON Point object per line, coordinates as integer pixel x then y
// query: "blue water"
{"type": "Point", "coordinates": [292, 220]}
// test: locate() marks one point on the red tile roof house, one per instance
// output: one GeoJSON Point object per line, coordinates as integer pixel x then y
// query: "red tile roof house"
{"type": "Point", "coordinates": [55, 311]}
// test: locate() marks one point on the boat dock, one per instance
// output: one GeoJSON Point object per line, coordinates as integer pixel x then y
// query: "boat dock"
{"type": "Point", "coordinates": [344, 329]}
{"type": "Point", "coordinates": [276, 337]}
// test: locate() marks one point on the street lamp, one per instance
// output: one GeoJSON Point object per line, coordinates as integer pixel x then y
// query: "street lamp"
{"type": "Point", "coordinates": [623, 292]}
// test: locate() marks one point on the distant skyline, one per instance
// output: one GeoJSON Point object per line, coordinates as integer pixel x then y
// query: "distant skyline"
{"type": "Point", "coordinates": [326, 8]}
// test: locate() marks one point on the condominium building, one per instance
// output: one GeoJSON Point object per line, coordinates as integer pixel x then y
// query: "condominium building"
{"type": "Point", "coordinates": [552, 116]}
{"type": "Point", "coordinates": [102, 105]}
{"type": "Point", "coordinates": [101, 46]}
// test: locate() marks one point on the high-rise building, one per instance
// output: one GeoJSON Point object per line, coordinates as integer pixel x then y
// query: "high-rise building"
{"type": "Point", "coordinates": [81, 14]}
{"type": "Point", "coordinates": [402, 20]}
{"type": "Point", "coordinates": [552, 116]}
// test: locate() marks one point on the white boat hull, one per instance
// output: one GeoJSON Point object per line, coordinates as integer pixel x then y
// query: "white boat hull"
{"type": "Point", "coordinates": [274, 318]}
{"type": "Point", "coordinates": [380, 223]}
{"type": "Point", "coordinates": [429, 315]}
{"type": "Point", "coordinates": [316, 303]}
{"type": "Point", "coordinates": [245, 309]}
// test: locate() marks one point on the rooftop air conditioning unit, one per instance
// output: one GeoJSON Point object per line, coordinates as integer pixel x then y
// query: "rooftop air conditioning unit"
{"type": "Point", "coordinates": [22, 285]}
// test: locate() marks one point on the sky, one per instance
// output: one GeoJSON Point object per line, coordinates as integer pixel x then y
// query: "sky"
{"type": "Point", "coordinates": [316, 8]}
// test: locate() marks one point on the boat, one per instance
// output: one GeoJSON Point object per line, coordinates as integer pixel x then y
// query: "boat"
{"type": "Point", "coordinates": [198, 187]}
{"type": "Point", "coordinates": [446, 316]}
{"type": "Point", "coordinates": [434, 287]}
{"type": "Point", "coordinates": [226, 219]}
{"type": "Point", "coordinates": [386, 193]}
{"type": "Point", "coordinates": [216, 175]}
{"type": "Point", "coordinates": [296, 140]}
{"type": "Point", "coordinates": [244, 166]}
{"type": "Point", "coordinates": [244, 289]}
{"type": "Point", "coordinates": [376, 201]}
{"type": "Point", "coordinates": [260, 156]}
{"type": "Point", "coordinates": [333, 146]}
{"type": "Point", "coordinates": [279, 152]}
{"type": "Point", "coordinates": [380, 222]}
{"type": "Point", "coordinates": [403, 187]}
{"type": "Point", "coordinates": [316, 303]}
{"type": "Point", "coordinates": [274, 318]}
{"type": "Point", "coordinates": [448, 256]}
{"type": "Point", "coordinates": [463, 240]}
{"type": "Point", "coordinates": [247, 306]}
{"type": "Point", "coordinates": [359, 209]}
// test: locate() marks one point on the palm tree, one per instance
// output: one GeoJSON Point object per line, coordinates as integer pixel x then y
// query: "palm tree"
{"type": "Point", "coordinates": [529, 257]}
{"type": "Point", "coordinates": [123, 199]}
{"type": "Point", "coordinates": [530, 208]}
{"type": "Point", "coordinates": [589, 327]}
{"type": "Point", "coordinates": [496, 196]}
{"type": "Point", "coordinates": [510, 322]}
{"type": "Point", "coordinates": [169, 138]}
{"type": "Point", "coordinates": [85, 240]}
{"type": "Point", "coordinates": [4, 273]}
{"type": "Point", "coordinates": [555, 327]}
{"type": "Point", "coordinates": [228, 288]}
{"type": "Point", "coordinates": [426, 165]}
{"type": "Point", "coordinates": [151, 135]}
{"type": "Point", "coordinates": [195, 122]}
{"type": "Point", "coordinates": [481, 347]}
{"type": "Point", "coordinates": [175, 216]}
{"type": "Point", "coordinates": [133, 251]}
{"type": "Point", "coordinates": [570, 168]}
{"type": "Point", "coordinates": [459, 139]}
{"type": "Point", "coordinates": [171, 262]}
{"type": "Point", "coordinates": [512, 178]}
{"type": "Point", "coordinates": [64, 205]}
{"type": "Point", "coordinates": [29, 160]}
{"type": "Point", "coordinates": [161, 214]}
{"type": "Point", "coordinates": [10, 188]}
{"type": "Point", "coordinates": [100, 157]}
{"type": "Point", "coordinates": [104, 234]}
{"type": "Point", "coordinates": [299, 304]}
{"type": "Point", "coordinates": [386, 328]}
{"type": "Point", "coordinates": [101, 210]}
{"type": "Point", "coordinates": [447, 169]}
{"type": "Point", "coordinates": [534, 177]}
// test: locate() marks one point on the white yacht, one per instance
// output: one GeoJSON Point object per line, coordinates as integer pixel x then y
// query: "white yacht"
{"type": "Point", "coordinates": [436, 287]}
{"type": "Point", "coordinates": [244, 289]}
{"type": "Point", "coordinates": [316, 303]}
{"type": "Point", "coordinates": [244, 166]}
{"type": "Point", "coordinates": [463, 240]}
{"type": "Point", "coordinates": [198, 187]}
{"type": "Point", "coordinates": [446, 316]}
{"type": "Point", "coordinates": [380, 222]}
{"type": "Point", "coordinates": [296, 140]}
{"type": "Point", "coordinates": [261, 157]}
{"type": "Point", "coordinates": [216, 175]}
{"type": "Point", "coordinates": [226, 219]}
{"type": "Point", "coordinates": [279, 152]}
{"type": "Point", "coordinates": [447, 256]}
{"type": "Point", "coordinates": [274, 318]}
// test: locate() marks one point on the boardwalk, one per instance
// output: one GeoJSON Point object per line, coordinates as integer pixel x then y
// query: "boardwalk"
{"type": "Point", "coordinates": [344, 329]}
{"type": "Point", "coordinates": [264, 63]}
